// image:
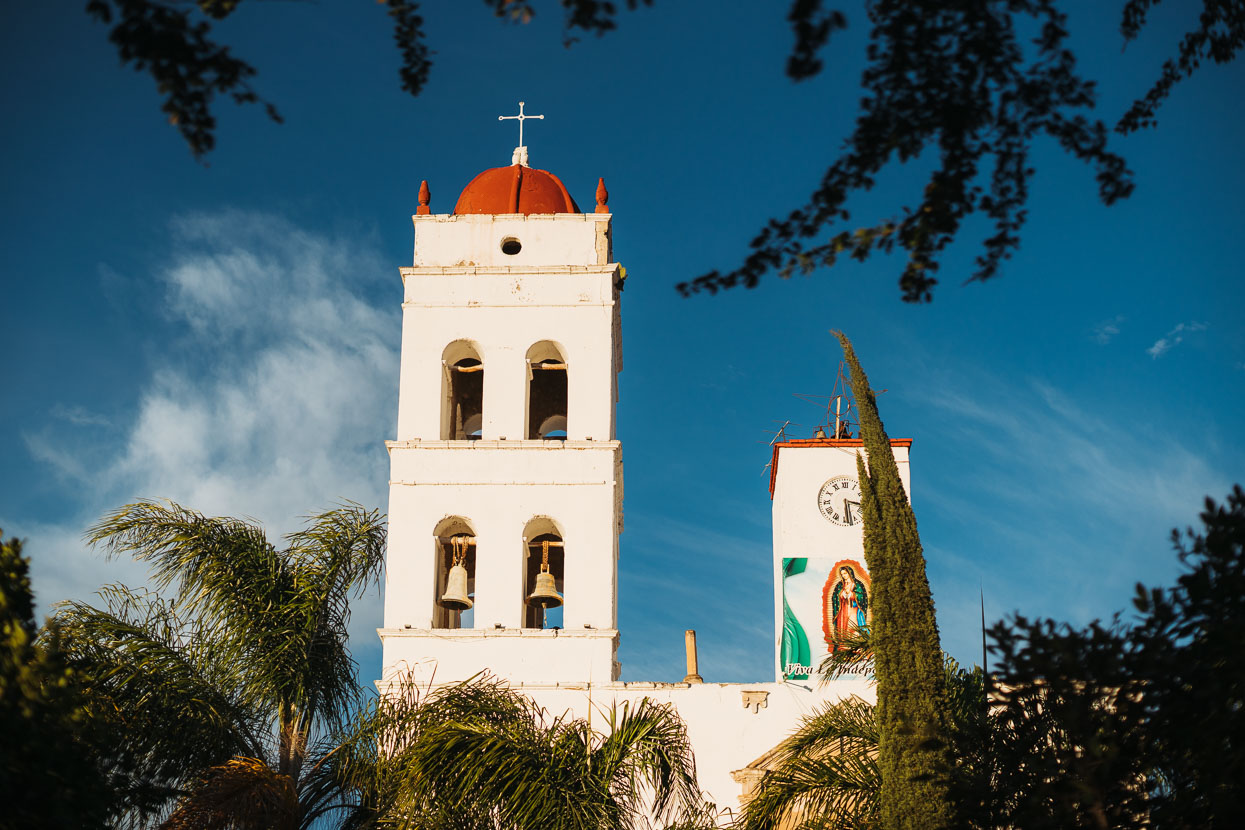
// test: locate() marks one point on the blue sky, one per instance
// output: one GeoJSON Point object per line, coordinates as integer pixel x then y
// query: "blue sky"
{"type": "Point", "coordinates": [226, 335]}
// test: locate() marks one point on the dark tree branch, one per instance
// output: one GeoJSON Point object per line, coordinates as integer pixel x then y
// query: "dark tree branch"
{"type": "Point", "coordinates": [189, 68]}
{"type": "Point", "coordinates": [812, 26]}
{"type": "Point", "coordinates": [949, 80]}
{"type": "Point", "coordinates": [952, 79]}
{"type": "Point", "coordinates": [1219, 36]}
{"type": "Point", "coordinates": [592, 16]}
{"type": "Point", "coordinates": [408, 33]}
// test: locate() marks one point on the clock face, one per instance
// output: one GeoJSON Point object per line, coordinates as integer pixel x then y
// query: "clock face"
{"type": "Point", "coordinates": [839, 501]}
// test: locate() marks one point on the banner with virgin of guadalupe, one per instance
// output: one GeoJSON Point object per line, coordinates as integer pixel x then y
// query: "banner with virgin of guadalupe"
{"type": "Point", "coordinates": [823, 598]}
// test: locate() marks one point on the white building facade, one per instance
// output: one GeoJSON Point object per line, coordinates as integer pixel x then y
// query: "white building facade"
{"type": "Point", "coordinates": [507, 465]}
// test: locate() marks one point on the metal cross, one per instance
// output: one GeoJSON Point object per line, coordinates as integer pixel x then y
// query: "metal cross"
{"type": "Point", "coordinates": [520, 118]}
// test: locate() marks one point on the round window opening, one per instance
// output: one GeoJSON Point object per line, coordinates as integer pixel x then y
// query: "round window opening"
{"type": "Point", "coordinates": [510, 246]}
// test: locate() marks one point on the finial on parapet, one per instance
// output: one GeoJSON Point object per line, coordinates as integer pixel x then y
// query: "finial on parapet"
{"type": "Point", "coordinates": [603, 196]}
{"type": "Point", "coordinates": [424, 197]}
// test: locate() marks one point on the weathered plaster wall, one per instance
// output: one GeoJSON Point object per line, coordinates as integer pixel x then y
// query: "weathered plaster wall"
{"type": "Point", "coordinates": [561, 288]}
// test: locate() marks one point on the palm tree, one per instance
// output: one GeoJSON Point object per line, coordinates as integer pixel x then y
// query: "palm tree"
{"type": "Point", "coordinates": [479, 756]}
{"type": "Point", "coordinates": [825, 775]}
{"type": "Point", "coordinates": [238, 700]}
{"type": "Point", "coordinates": [233, 691]}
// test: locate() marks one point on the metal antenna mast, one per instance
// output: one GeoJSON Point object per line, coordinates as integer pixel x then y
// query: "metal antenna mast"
{"type": "Point", "coordinates": [839, 407]}
{"type": "Point", "coordinates": [779, 434]}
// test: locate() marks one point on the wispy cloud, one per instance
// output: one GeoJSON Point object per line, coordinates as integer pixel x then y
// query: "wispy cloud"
{"type": "Point", "coordinates": [1105, 331]}
{"type": "Point", "coordinates": [1174, 338]}
{"type": "Point", "coordinates": [1056, 454]}
{"type": "Point", "coordinates": [78, 416]}
{"type": "Point", "coordinates": [272, 407]}
{"type": "Point", "coordinates": [1065, 508]}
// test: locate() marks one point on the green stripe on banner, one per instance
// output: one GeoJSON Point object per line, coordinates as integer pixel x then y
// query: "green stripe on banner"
{"type": "Point", "coordinates": [794, 641]}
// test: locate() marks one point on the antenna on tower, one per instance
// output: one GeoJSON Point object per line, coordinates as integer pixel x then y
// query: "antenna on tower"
{"type": "Point", "coordinates": [840, 418]}
{"type": "Point", "coordinates": [779, 434]}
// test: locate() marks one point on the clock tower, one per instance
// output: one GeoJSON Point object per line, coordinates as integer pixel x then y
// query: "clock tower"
{"type": "Point", "coordinates": [820, 580]}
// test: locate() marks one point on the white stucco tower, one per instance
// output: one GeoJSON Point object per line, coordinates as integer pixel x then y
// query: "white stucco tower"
{"type": "Point", "coordinates": [817, 535]}
{"type": "Point", "coordinates": [506, 447]}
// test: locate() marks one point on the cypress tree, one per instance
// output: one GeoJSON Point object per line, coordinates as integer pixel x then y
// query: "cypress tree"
{"type": "Point", "coordinates": [911, 684]}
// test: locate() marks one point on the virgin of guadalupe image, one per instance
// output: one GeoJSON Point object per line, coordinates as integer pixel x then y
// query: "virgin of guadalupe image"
{"type": "Point", "coordinates": [846, 607]}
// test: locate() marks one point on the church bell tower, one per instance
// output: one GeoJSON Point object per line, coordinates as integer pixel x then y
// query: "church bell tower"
{"type": "Point", "coordinates": [505, 492]}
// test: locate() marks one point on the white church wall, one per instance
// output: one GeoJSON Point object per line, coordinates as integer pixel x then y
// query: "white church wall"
{"type": "Point", "coordinates": [497, 313]}
{"type": "Point", "coordinates": [545, 239]}
{"type": "Point", "coordinates": [522, 655]}
{"type": "Point", "coordinates": [498, 487]}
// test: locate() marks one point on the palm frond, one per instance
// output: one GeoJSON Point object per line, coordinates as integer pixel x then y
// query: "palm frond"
{"type": "Point", "coordinates": [282, 614]}
{"type": "Point", "coordinates": [204, 559]}
{"type": "Point", "coordinates": [339, 555]}
{"type": "Point", "coordinates": [831, 792]}
{"type": "Point", "coordinates": [850, 721]}
{"type": "Point", "coordinates": [248, 651]}
{"type": "Point", "coordinates": [530, 779]}
{"type": "Point", "coordinates": [241, 794]}
{"type": "Point", "coordinates": [852, 654]}
{"type": "Point", "coordinates": [647, 748]}
{"type": "Point", "coordinates": [379, 777]}
{"type": "Point", "coordinates": [824, 775]}
{"type": "Point", "coordinates": [479, 755]}
{"type": "Point", "coordinates": [704, 816]}
{"type": "Point", "coordinates": [222, 571]}
{"type": "Point", "coordinates": [156, 676]}
{"type": "Point", "coordinates": [342, 553]}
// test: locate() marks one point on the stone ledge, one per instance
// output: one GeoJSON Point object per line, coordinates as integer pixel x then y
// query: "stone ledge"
{"type": "Point", "coordinates": [517, 444]}
{"type": "Point", "coordinates": [470, 269]}
{"type": "Point", "coordinates": [488, 218]}
{"type": "Point", "coordinates": [501, 633]}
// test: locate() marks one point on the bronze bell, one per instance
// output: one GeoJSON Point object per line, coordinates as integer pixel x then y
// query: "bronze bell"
{"type": "Point", "coordinates": [455, 595]}
{"type": "Point", "coordinates": [546, 592]}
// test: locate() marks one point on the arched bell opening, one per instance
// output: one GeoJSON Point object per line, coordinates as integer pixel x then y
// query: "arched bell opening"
{"type": "Point", "coordinates": [454, 557]}
{"type": "Point", "coordinates": [546, 392]}
{"type": "Point", "coordinates": [462, 392]}
{"type": "Point", "coordinates": [544, 574]}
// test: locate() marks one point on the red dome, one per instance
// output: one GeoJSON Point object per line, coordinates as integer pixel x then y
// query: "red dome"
{"type": "Point", "coordinates": [515, 189]}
